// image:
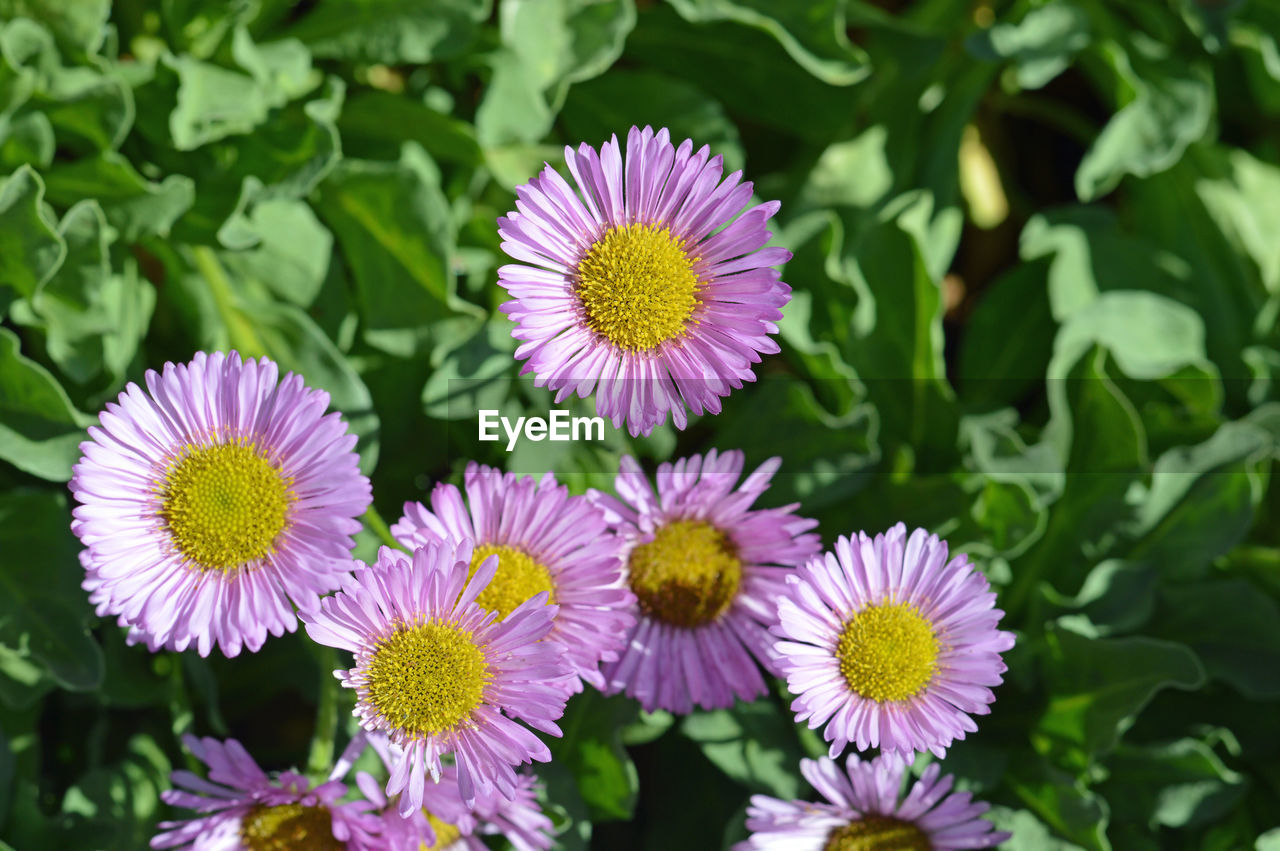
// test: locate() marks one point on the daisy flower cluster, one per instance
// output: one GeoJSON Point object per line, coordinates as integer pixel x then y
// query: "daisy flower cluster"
{"type": "Point", "coordinates": [218, 506]}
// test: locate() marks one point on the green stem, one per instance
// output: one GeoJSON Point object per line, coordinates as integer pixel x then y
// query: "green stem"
{"type": "Point", "coordinates": [320, 759]}
{"type": "Point", "coordinates": [244, 338]}
{"type": "Point", "coordinates": [181, 715]}
{"type": "Point", "coordinates": [374, 523]}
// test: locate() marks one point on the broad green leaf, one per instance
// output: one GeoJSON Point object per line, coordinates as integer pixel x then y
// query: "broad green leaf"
{"type": "Point", "coordinates": [1029, 832]}
{"type": "Point", "coordinates": [391, 119]}
{"type": "Point", "coordinates": [30, 248]}
{"type": "Point", "coordinates": [40, 431]}
{"type": "Point", "coordinates": [813, 34]}
{"type": "Point", "coordinates": [1148, 135]}
{"type": "Point", "coordinates": [1065, 805]}
{"type": "Point", "coordinates": [291, 339]}
{"type": "Point", "coordinates": [133, 205]}
{"type": "Point", "coordinates": [288, 249]}
{"type": "Point", "coordinates": [856, 173]}
{"type": "Point", "coordinates": [44, 611]}
{"type": "Point", "coordinates": [1201, 500]}
{"type": "Point", "coordinates": [26, 139]}
{"type": "Point", "coordinates": [754, 744]}
{"type": "Point", "coordinates": [1041, 45]}
{"type": "Point", "coordinates": [474, 375]}
{"type": "Point", "coordinates": [1181, 784]}
{"type": "Point", "coordinates": [1149, 336]}
{"type": "Point", "coordinates": [592, 749]}
{"type": "Point", "coordinates": [565, 41]}
{"type": "Point", "coordinates": [121, 801]}
{"type": "Point", "coordinates": [623, 98]}
{"type": "Point", "coordinates": [1090, 253]}
{"type": "Point", "coordinates": [282, 68]}
{"type": "Point", "coordinates": [211, 102]}
{"type": "Point", "coordinates": [1117, 597]}
{"type": "Point", "coordinates": [1008, 339]}
{"type": "Point", "coordinates": [1231, 626]}
{"type": "Point", "coordinates": [1098, 686]}
{"type": "Point", "coordinates": [94, 318]}
{"type": "Point", "coordinates": [770, 87]}
{"type": "Point", "coordinates": [513, 109]}
{"type": "Point", "coordinates": [390, 31]}
{"type": "Point", "coordinates": [78, 24]}
{"type": "Point", "coordinates": [392, 223]}
{"type": "Point", "coordinates": [1243, 198]}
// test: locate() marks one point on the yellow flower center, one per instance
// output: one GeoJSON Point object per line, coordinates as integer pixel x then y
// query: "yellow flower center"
{"type": "Point", "coordinates": [687, 575]}
{"type": "Point", "coordinates": [878, 833]}
{"type": "Point", "coordinates": [519, 577]}
{"type": "Point", "coordinates": [224, 505]}
{"type": "Point", "coordinates": [637, 286]}
{"type": "Point", "coordinates": [887, 652]}
{"type": "Point", "coordinates": [446, 834]}
{"type": "Point", "coordinates": [289, 827]}
{"type": "Point", "coordinates": [427, 678]}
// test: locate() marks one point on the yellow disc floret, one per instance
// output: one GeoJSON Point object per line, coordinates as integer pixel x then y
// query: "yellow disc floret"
{"type": "Point", "coordinates": [427, 678]}
{"type": "Point", "coordinates": [887, 652]}
{"type": "Point", "coordinates": [446, 834]}
{"type": "Point", "coordinates": [519, 577]}
{"type": "Point", "coordinates": [289, 827]}
{"type": "Point", "coordinates": [878, 833]}
{"type": "Point", "coordinates": [687, 575]}
{"type": "Point", "coordinates": [637, 286]}
{"type": "Point", "coordinates": [224, 505]}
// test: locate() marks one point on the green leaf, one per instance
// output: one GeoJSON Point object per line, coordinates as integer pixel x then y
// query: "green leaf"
{"type": "Point", "coordinates": [475, 374]}
{"type": "Point", "coordinates": [1063, 803]}
{"type": "Point", "coordinates": [1172, 109]}
{"type": "Point", "coordinates": [94, 318]}
{"type": "Point", "coordinates": [592, 749]}
{"type": "Point", "coordinates": [292, 340]}
{"type": "Point", "coordinates": [513, 109]}
{"type": "Point", "coordinates": [44, 610]}
{"type": "Point", "coordinates": [121, 801]}
{"type": "Point", "coordinates": [565, 41]}
{"type": "Point", "coordinates": [26, 139]}
{"type": "Point", "coordinates": [288, 249]}
{"type": "Point", "coordinates": [1098, 686]}
{"type": "Point", "coordinates": [392, 223]}
{"type": "Point", "coordinates": [78, 24]}
{"type": "Point", "coordinates": [753, 743]}
{"type": "Point", "coordinates": [1201, 500]}
{"type": "Point", "coordinates": [1182, 784]}
{"type": "Point", "coordinates": [394, 118]}
{"type": "Point", "coordinates": [1116, 597]}
{"type": "Point", "coordinates": [40, 431]}
{"type": "Point", "coordinates": [211, 102]}
{"type": "Point", "coordinates": [622, 98]}
{"type": "Point", "coordinates": [1243, 198]}
{"type": "Point", "coordinates": [1029, 832]}
{"type": "Point", "coordinates": [1008, 339]}
{"type": "Point", "coordinates": [30, 248]}
{"type": "Point", "coordinates": [813, 34]}
{"type": "Point", "coordinates": [390, 31]}
{"type": "Point", "coordinates": [1041, 45]}
{"type": "Point", "coordinates": [1231, 626]}
{"type": "Point", "coordinates": [133, 205]}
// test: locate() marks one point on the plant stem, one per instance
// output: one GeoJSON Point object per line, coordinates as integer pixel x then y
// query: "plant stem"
{"type": "Point", "coordinates": [320, 759]}
{"type": "Point", "coordinates": [244, 338]}
{"type": "Point", "coordinates": [374, 523]}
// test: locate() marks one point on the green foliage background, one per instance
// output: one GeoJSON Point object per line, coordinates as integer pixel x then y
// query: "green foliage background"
{"type": "Point", "coordinates": [1037, 272]}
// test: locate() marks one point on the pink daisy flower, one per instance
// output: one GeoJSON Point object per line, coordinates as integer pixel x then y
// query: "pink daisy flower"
{"type": "Point", "coordinates": [889, 644]}
{"type": "Point", "coordinates": [243, 809]}
{"type": "Point", "coordinates": [214, 502]}
{"type": "Point", "coordinates": [706, 570]}
{"type": "Point", "coordinates": [864, 810]}
{"type": "Point", "coordinates": [647, 282]}
{"type": "Point", "coordinates": [545, 540]}
{"type": "Point", "coordinates": [447, 823]}
{"type": "Point", "coordinates": [438, 674]}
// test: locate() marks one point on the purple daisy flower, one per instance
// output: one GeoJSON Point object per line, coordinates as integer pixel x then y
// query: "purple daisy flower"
{"type": "Point", "coordinates": [545, 540]}
{"type": "Point", "coordinates": [214, 502]}
{"type": "Point", "coordinates": [889, 644]}
{"type": "Point", "coordinates": [706, 570]}
{"type": "Point", "coordinates": [447, 823]}
{"type": "Point", "coordinates": [438, 674]}
{"type": "Point", "coordinates": [649, 283]}
{"type": "Point", "coordinates": [864, 810]}
{"type": "Point", "coordinates": [242, 808]}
